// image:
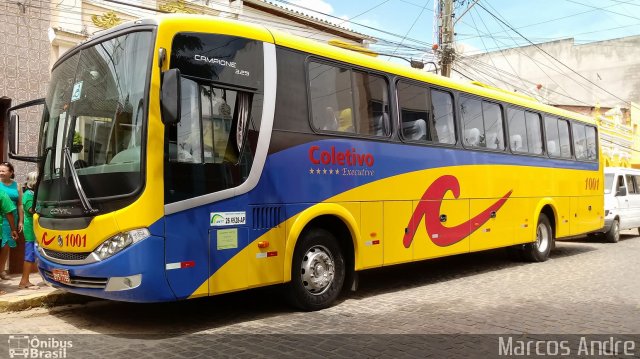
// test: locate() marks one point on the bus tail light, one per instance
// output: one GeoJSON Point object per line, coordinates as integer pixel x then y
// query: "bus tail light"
{"type": "Point", "coordinates": [120, 241]}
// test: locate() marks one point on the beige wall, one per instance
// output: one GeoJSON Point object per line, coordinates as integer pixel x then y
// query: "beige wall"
{"type": "Point", "coordinates": [613, 65]}
{"type": "Point", "coordinates": [24, 64]}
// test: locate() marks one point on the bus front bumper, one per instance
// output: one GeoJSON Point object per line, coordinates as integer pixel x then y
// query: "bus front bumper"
{"type": "Point", "coordinates": [136, 274]}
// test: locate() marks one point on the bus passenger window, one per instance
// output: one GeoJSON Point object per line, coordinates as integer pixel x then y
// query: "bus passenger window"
{"type": "Point", "coordinates": [592, 153]}
{"type": "Point", "coordinates": [442, 129]}
{"type": "Point", "coordinates": [518, 138]}
{"type": "Point", "coordinates": [348, 101]}
{"type": "Point", "coordinates": [553, 140]}
{"type": "Point", "coordinates": [534, 132]}
{"type": "Point", "coordinates": [371, 99]}
{"type": "Point", "coordinates": [414, 105]}
{"type": "Point", "coordinates": [579, 141]}
{"type": "Point", "coordinates": [563, 136]}
{"type": "Point", "coordinates": [493, 125]}
{"type": "Point", "coordinates": [331, 98]}
{"type": "Point", "coordinates": [485, 117]}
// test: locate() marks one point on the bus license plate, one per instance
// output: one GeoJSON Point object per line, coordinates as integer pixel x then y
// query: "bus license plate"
{"type": "Point", "coordinates": [61, 275]}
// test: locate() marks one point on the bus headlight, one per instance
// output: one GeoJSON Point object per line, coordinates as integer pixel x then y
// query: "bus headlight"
{"type": "Point", "coordinates": [120, 241]}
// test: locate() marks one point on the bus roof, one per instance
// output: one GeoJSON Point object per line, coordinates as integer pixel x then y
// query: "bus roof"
{"type": "Point", "coordinates": [281, 38]}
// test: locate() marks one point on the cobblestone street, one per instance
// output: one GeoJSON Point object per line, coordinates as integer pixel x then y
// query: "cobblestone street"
{"type": "Point", "coordinates": [586, 287]}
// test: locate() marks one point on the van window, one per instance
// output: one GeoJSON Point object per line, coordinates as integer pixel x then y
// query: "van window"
{"type": "Point", "coordinates": [620, 182]}
{"type": "Point", "coordinates": [608, 182]}
{"type": "Point", "coordinates": [632, 186]}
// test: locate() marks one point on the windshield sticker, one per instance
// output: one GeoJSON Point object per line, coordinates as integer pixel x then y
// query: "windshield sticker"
{"type": "Point", "coordinates": [220, 219]}
{"type": "Point", "coordinates": [227, 238]}
{"type": "Point", "coordinates": [77, 91]}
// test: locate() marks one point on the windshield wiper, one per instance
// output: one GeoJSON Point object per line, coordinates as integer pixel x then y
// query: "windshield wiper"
{"type": "Point", "coordinates": [76, 183]}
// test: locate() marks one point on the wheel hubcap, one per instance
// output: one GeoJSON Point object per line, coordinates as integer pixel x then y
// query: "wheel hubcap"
{"type": "Point", "coordinates": [542, 238]}
{"type": "Point", "coordinates": [318, 270]}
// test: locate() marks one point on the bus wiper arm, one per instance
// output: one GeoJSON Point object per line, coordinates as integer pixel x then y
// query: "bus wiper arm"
{"type": "Point", "coordinates": [76, 183]}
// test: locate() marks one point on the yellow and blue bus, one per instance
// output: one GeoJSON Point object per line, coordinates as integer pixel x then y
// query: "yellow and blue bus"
{"type": "Point", "coordinates": [187, 156]}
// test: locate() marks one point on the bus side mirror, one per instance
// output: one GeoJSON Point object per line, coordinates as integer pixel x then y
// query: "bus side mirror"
{"type": "Point", "coordinates": [14, 130]}
{"type": "Point", "coordinates": [31, 114]}
{"type": "Point", "coordinates": [622, 191]}
{"type": "Point", "coordinates": [170, 97]}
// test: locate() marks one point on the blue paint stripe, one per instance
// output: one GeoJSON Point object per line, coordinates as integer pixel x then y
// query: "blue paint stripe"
{"type": "Point", "coordinates": [290, 169]}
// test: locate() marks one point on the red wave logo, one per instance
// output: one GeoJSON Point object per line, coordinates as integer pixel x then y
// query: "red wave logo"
{"type": "Point", "coordinates": [46, 241]}
{"type": "Point", "coordinates": [430, 209]}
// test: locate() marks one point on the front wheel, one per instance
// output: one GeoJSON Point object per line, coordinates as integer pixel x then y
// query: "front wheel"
{"type": "Point", "coordinates": [539, 250]}
{"type": "Point", "coordinates": [317, 271]}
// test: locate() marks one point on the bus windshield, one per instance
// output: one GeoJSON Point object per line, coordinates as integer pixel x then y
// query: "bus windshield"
{"type": "Point", "coordinates": [95, 111]}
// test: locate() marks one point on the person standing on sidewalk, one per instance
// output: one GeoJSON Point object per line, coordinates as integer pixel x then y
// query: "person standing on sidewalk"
{"type": "Point", "coordinates": [7, 208]}
{"type": "Point", "coordinates": [10, 187]}
{"type": "Point", "coordinates": [29, 235]}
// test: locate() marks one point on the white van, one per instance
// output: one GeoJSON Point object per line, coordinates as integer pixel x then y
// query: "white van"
{"type": "Point", "coordinates": [621, 201]}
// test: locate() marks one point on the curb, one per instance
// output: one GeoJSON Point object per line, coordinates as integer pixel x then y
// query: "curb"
{"type": "Point", "coordinates": [55, 298]}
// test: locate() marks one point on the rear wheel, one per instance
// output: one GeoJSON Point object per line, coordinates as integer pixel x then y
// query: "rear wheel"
{"type": "Point", "coordinates": [317, 271]}
{"type": "Point", "coordinates": [539, 250]}
{"type": "Point", "coordinates": [613, 236]}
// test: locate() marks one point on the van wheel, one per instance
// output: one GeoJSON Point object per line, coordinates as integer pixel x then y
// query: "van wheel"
{"type": "Point", "coordinates": [613, 236]}
{"type": "Point", "coordinates": [317, 271]}
{"type": "Point", "coordinates": [539, 250]}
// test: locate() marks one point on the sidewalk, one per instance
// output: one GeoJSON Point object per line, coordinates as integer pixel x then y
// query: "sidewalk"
{"type": "Point", "coordinates": [17, 299]}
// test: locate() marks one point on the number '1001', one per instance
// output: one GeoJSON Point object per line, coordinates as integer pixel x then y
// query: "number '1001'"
{"type": "Point", "coordinates": [76, 240]}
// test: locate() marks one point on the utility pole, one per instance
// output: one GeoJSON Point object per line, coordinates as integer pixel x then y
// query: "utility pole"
{"type": "Point", "coordinates": [445, 36]}
{"type": "Point", "coordinates": [443, 31]}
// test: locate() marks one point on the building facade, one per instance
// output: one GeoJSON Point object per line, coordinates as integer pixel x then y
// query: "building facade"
{"type": "Point", "coordinates": [24, 65]}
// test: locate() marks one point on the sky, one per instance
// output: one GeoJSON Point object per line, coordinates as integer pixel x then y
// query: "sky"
{"type": "Point", "coordinates": [409, 23]}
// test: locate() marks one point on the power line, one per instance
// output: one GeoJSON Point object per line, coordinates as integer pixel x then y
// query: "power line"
{"type": "Point", "coordinates": [358, 24]}
{"type": "Point", "coordinates": [412, 25]}
{"type": "Point", "coordinates": [567, 16]}
{"type": "Point", "coordinates": [535, 62]}
{"type": "Point", "coordinates": [360, 14]}
{"type": "Point", "coordinates": [603, 9]}
{"type": "Point", "coordinates": [548, 54]}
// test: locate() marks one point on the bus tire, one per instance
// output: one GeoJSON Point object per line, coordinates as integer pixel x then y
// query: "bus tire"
{"type": "Point", "coordinates": [317, 271]}
{"type": "Point", "coordinates": [613, 235]}
{"type": "Point", "coordinates": [539, 250]}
